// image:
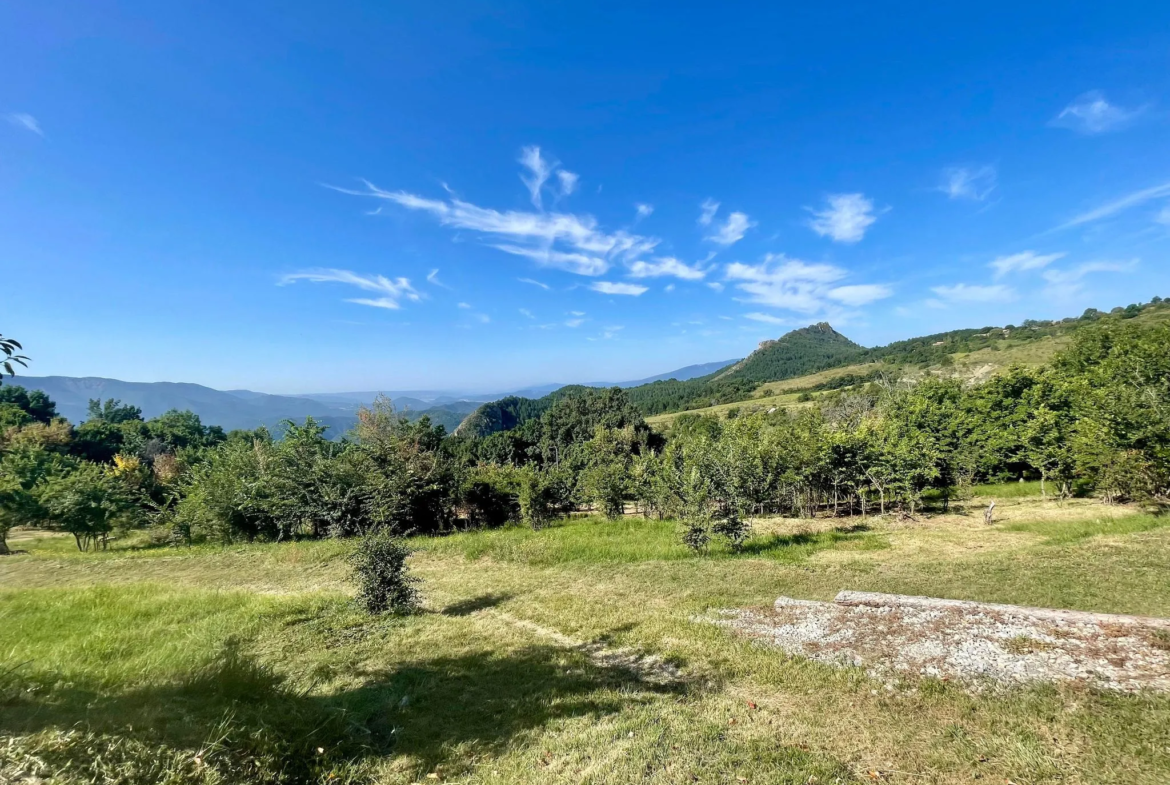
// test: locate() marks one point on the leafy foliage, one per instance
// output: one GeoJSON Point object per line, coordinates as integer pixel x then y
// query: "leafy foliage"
{"type": "Point", "coordinates": [384, 585]}
{"type": "Point", "coordinates": [113, 411]}
{"type": "Point", "coordinates": [34, 403]}
{"type": "Point", "coordinates": [9, 348]}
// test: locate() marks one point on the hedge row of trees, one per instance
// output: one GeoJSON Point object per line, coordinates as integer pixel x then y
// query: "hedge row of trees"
{"type": "Point", "coordinates": [113, 471]}
{"type": "Point", "coordinates": [1096, 421]}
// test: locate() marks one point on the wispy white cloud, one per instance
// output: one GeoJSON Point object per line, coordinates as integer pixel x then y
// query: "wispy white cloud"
{"type": "Point", "coordinates": [576, 313]}
{"type": "Point", "coordinates": [611, 287]}
{"type": "Point", "coordinates": [1068, 283]}
{"type": "Point", "coordinates": [25, 121]}
{"type": "Point", "coordinates": [610, 332]}
{"type": "Point", "coordinates": [845, 219]}
{"type": "Point", "coordinates": [968, 293]}
{"type": "Point", "coordinates": [668, 288]}
{"type": "Point", "coordinates": [584, 249]}
{"type": "Point", "coordinates": [376, 302]}
{"type": "Point", "coordinates": [534, 282]}
{"type": "Point", "coordinates": [574, 322]}
{"type": "Point", "coordinates": [795, 285]}
{"type": "Point", "coordinates": [732, 230]}
{"type": "Point", "coordinates": [483, 318]}
{"type": "Point", "coordinates": [568, 181]}
{"type": "Point", "coordinates": [1091, 113]}
{"type": "Point", "coordinates": [707, 211]}
{"type": "Point", "coordinates": [527, 313]}
{"type": "Point", "coordinates": [781, 282]}
{"type": "Point", "coordinates": [715, 286]}
{"type": "Point", "coordinates": [539, 170]}
{"type": "Point", "coordinates": [392, 290]}
{"type": "Point", "coordinates": [1118, 205]}
{"type": "Point", "coordinates": [433, 277]}
{"type": "Point", "coordinates": [579, 263]}
{"type": "Point", "coordinates": [643, 210]}
{"type": "Point", "coordinates": [666, 265]}
{"type": "Point", "coordinates": [464, 306]}
{"type": "Point", "coordinates": [1019, 262]}
{"type": "Point", "coordinates": [859, 294]}
{"type": "Point", "coordinates": [766, 318]}
{"type": "Point", "coordinates": [965, 182]}
{"type": "Point", "coordinates": [1163, 217]}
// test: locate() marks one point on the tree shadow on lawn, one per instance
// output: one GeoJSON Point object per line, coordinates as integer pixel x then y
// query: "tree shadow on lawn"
{"type": "Point", "coordinates": [801, 545]}
{"type": "Point", "coordinates": [245, 722]}
{"type": "Point", "coordinates": [474, 604]}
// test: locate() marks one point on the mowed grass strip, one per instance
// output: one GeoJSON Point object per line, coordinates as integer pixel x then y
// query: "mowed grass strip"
{"type": "Point", "coordinates": [633, 539]}
{"type": "Point", "coordinates": [252, 659]}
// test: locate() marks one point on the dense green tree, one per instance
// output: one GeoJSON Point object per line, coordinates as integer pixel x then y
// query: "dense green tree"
{"type": "Point", "coordinates": [34, 403]}
{"type": "Point", "coordinates": [608, 467]}
{"type": "Point", "coordinates": [112, 411]}
{"type": "Point", "coordinates": [178, 429]}
{"type": "Point", "coordinates": [98, 440]}
{"type": "Point", "coordinates": [88, 503]}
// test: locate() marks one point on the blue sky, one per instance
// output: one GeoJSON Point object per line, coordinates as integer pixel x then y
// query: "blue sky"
{"type": "Point", "coordinates": [302, 197]}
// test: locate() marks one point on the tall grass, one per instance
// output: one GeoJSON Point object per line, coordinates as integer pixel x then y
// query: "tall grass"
{"type": "Point", "coordinates": [1073, 531]}
{"type": "Point", "coordinates": [600, 541]}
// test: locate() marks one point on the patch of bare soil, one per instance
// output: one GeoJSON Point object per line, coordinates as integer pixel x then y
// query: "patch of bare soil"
{"type": "Point", "coordinates": [983, 646]}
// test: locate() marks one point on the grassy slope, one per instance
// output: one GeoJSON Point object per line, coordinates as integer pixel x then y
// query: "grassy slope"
{"type": "Point", "coordinates": [974, 366]}
{"type": "Point", "coordinates": [488, 686]}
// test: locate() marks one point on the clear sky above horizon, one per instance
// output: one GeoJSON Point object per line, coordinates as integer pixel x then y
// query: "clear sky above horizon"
{"type": "Point", "coordinates": [311, 197]}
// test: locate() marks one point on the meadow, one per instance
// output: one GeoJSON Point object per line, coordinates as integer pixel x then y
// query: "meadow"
{"type": "Point", "coordinates": [577, 653]}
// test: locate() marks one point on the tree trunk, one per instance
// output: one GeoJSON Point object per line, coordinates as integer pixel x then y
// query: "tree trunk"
{"type": "Point", "coordinates": [4, 545]}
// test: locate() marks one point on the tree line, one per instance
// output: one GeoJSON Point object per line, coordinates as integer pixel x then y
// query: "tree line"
{"type": "Point", "coordinates": [1095, 421]}
{"type": "Point", "coordinates": [798, 353]}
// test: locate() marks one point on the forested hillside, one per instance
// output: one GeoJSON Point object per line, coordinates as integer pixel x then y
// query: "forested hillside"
{"type": "Point", "coordinates": [511, 412]}
{"type": "Point", "coordinates": [807, 351]}
{"type": "Point", "coordinates": [799, 352]}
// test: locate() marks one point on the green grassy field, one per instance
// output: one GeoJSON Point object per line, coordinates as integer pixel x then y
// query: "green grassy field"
{"type": "Point", "coordinates": [574, 654]}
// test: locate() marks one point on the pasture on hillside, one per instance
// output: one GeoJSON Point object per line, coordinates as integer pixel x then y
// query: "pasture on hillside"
{"type": "Point", "coordinates": [578, 653]}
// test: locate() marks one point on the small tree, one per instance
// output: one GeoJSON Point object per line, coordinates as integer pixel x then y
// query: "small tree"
{"type": "Point", "coordinates": [536, 497]}
{"type": "Point", "coordinates": [383, 582]}
{"type": "Point", "coordinates": [696, 509]}
{"type": "Point", "coordinates": [87, 503]}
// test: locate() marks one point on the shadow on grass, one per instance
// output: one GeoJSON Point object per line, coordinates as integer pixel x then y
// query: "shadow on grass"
{"type": "Point", "coordinates": [241, 722]}
{"type": "Point", "coordinates": [470, 606]}
{"type": "Point", "coordinates": [801, 545]}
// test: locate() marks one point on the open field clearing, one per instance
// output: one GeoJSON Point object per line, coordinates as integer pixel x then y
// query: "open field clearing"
{"type": "Point", "coordinates": [762, 404]}
{"type": "Point", "coordinates": [572, 654]}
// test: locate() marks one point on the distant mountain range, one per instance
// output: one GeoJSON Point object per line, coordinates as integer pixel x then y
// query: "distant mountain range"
{"type": "Point", "coordinates": [233, 409]}
{"type": "Point", "coordinates": [682, 375]}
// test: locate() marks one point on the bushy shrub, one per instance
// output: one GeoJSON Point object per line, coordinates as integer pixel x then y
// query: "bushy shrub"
{"type": "Point", "coordinates": [537, 502]}
{"type": "Point", "coordinates": [491, 496]}
{"type": "Point", "coordinates": [383, 581]}
{"type": "Point", "coordinates": [88, 503]}
{"type": "Point", "coordinates": [734, 528]}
